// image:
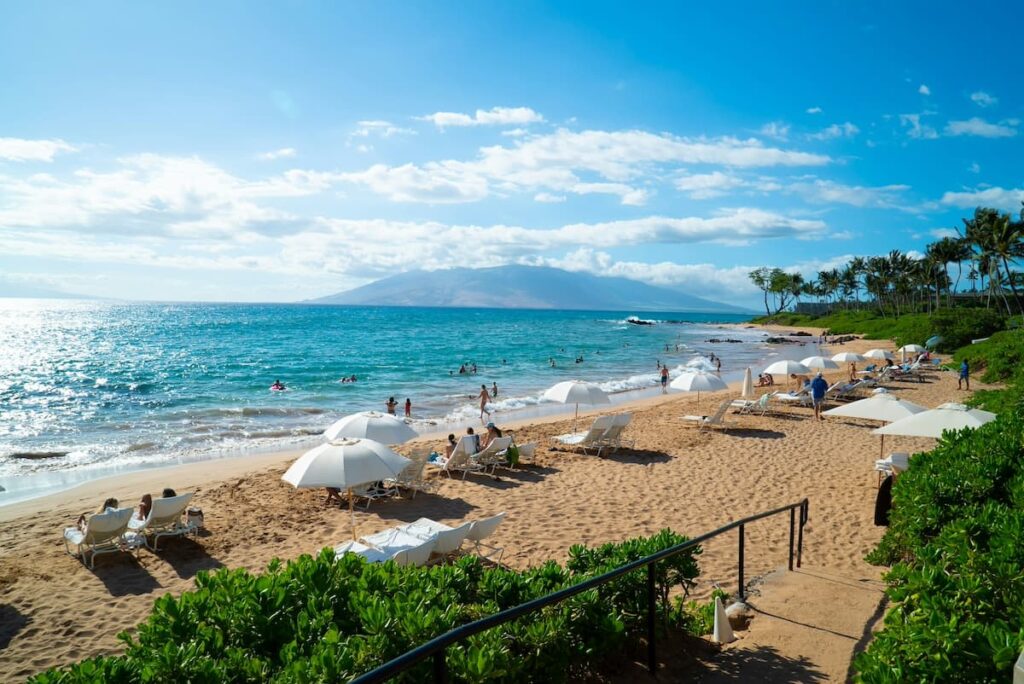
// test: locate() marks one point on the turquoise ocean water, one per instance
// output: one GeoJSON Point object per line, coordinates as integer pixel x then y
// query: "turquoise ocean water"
{"type": "Point", "coordinates": [89, 388]}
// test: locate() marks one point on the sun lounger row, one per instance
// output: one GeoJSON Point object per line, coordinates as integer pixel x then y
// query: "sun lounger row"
{"type": "Point", "coordinates": [120, 530]}
{"type": "Point", "coordinates": [606, 432]}
{"type": "Point", "coordinates": [425, 540]}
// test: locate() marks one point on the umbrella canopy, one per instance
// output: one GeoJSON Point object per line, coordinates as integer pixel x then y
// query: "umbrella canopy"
{"type": "Point", "coordinates": [847, 357]}
{"type": "Point", "coordinates": [787, 367]}
{"type": "Point", "coordinates": [576, 392]}
{"type": "Point", "coordinates": [878, 354]}
{"type": "Point", "coordinates": [933, 341]}
{"type": "Point", "coordinates": [701, 363]}
{"type": "Point", "coordinates": [345, 463]}
{"type": "Point", "coordinates": [747, 391]}
{"type": "Point", "coordinates": [934, 422]}
{"type": "Point", "coordinates": [884, 407]}
{"type": "Point", "coordinates": [380, 427]}
{"type": "Point", "coordinates": [820, 363]}
{"type": "Point", "coordinates": [912, 349]}
{"type": "Point", "coordinates": [698, 382]}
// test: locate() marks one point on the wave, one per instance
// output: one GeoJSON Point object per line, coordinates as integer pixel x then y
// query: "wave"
{"type": "Point", "coordinates": [245, 411]}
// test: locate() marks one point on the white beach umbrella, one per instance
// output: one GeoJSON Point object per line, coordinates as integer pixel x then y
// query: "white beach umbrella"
{"type": "Point", "coordinates": [701, 363]}
{"type": "Point", "coordinates": [934, 422]}
{"type": "Point", "coordinates": [910, 349]}
{"type": "Point", "coordinates": [787, 367]}
{"type": "Point", "coordinates": [576, 392]}
{"type": "Point", "coordinates": [747, 392]}
{"type": "Point", "coordinates": [380, 427]}
{"type": "Point", "coordinates": [820, 363]}
{"type": "Point", "coordinates": [847, 357]}
{"type": "Point", "coordinates": [698, 382]}
{"type": "Point", "coordinates": [878, 354]}
{"type": "Point", "coordinates": [883, 407]}
{"type": "Point", "coordinates": [345, 463]}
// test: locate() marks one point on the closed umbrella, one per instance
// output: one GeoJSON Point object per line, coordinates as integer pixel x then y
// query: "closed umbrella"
{"type": "Point", "coordinates": [878, 354]}
{"type": "Point", "coordinates": [380, 427]}
{"type": "Point", "coordinates": [786, 368]}
{"type": "Point", "coordinates": [747, 392]}
{"type": "Point", "coordinates": [698, 382]}
{"type": "Point", "coordinates": [883, 407]}
{"type": "Point", "coordinates": [345, 463]}
{"type": "Point", "coordinates": [820, 363]}
{"type": "Point", "coordinates": [576, 392]}
{"type": "Point", "coordinates": [934, 422]}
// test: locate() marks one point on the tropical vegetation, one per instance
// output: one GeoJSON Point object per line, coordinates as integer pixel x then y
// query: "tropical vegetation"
{"type": "Point", "coordinates": [318, 619]}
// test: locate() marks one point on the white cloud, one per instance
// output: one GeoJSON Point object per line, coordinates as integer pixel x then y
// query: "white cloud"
{"type": "Point", "coordinates": [283, 153]}
{"type": "Point", "coordinates": [814, 110]}
{"type": "Point", "coordinates": [917, 129]}
{"type": "Point", "coordinates": [515, 132]}
{"type": "Point", "coordinates": [831, 192]}
{"type": "Point", "coordinates": [924, 90]}
{"type": "Point", "coordinates": [940, 233]}
{"type": "Point", "coordinates": [20, 150]}
{"type": "Point", "coordinates": [709, 185]}
{"type": "Point", "coordinates": [977, 126]}
{"type": "Point", "coordinates": [843, 130]}
{"type": "Point", "coordinates": [999, 198]}
{"type": "Point", "coordinates": [975, 167]}
{"type": "Point", "coordinates": [983, 99]}
{"type": "Point", "coordinates": [496, 116]}
{"type": "Point", "coordinates": [548, 198]}
{"type": "Point", "coordinates": [566, 161]}
{"type": "Point", "coordinates": [775, 129]}
{"type": "Point", "coordinates": [383, 129]}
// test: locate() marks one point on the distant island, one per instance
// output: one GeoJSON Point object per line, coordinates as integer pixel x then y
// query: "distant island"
{"type": "Point", "coordinates": [522, 287]}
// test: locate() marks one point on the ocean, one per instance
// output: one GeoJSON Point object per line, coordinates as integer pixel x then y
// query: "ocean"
{"type": "Point", "coordinates": [91, 388]}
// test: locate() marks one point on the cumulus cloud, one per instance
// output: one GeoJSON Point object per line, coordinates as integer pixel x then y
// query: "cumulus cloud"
{"type": "Point", "coordinates": [22, 150]}
{"type": "Point", "coordinates": [831, 192]}
{"type": "Point", "coordinates": [924, 90]}
{"type": "Point", "coordinates": [843, 130]}
{"type": "Point", "coordinates": [496, 116]}
{"type": "Point", "coordinates": [709, 185]}
{"type": "Point", "coordinates": [548, 198]}
{"type": "Point", "coordinates": [814, 110]}
{"type": "Point", "coordinates": [983, 99]}
{"type": "Point", "coordinates": [379, 128]}
{"type": "Point", "coordinates": [940, 233]}
{"type": "Point", "coordinates": [976, 126]}
{"type": "Point", "coordinates": [916, 129]}
{"type": "Point", "coordinates": [283, 153]}
{"type": "Point", "coordinates": [1006, 199]}
{"type": "Point", "coordinates": [775, 129]}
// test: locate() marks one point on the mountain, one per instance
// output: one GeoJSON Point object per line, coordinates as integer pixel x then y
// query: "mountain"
{"type": "Point", "coordinates": [521, 287]}
{"type": "Point", "coordinates": [20, 290]}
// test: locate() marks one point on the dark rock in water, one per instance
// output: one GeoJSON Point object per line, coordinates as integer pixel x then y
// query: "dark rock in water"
{"type": "Point", "coordinates": [715, 340]}
{"type": "Point", "coordinates": [800, 333]}
{"type": "Point", "coordinates": [36, 455]}
{"type": "Point", "coordinates": [638, 321]}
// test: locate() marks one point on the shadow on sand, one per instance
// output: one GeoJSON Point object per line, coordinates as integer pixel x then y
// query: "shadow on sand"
{"type": "Point", "coordinates": [11, 622]}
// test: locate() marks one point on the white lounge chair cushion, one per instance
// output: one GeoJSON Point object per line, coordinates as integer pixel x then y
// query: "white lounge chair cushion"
{"type": "Point", "coordinates": [370, 554]}
{"type": "Point", "coordinates": [393, 540]}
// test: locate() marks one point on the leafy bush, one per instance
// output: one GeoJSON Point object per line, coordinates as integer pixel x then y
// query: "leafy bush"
{"type": "Point", "coordinates": [998, 359]}
{"type": "Point", "coordinates": [957, 530]}
{"type": "Point", "coordinates": [320, 619]}
{"type": "Point", "coordinates": [959, 326]}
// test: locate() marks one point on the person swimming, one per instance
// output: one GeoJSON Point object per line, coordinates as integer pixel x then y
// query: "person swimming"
{"type": "Point", "coordinates": [277, 386]}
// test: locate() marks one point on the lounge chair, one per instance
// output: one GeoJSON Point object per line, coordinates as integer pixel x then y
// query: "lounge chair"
{"type": "Point", "coordinates": [400, 546]}
{"type": "Point", "coordinates": [493, 455]}
{"type": "Point", "coordinates": [759, 405]}
{"type": "Point", "coordinates": [717, 419]}
{"type": "Point", "coordinates": [613, 437]}
{"type": "Point", "coordinates": [165, 519]}
{"type": "Point", "coordinates": [803, 397]}
{"type": "Point", "coordinates": [591, 439]}
{"type": "Point", "coordinates": [481, 530]}
{"type": "Point", "coordinates": [460, 459]}
{"type": "Point", "coordinates": [371, 554]}
{"type": "Point", "coordinates": [104, 533]}
{"type": "Point", "coordinates": [447, 540]}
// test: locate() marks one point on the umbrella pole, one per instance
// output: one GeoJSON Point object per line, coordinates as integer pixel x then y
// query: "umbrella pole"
{"type": "Point", "coordinates": [576, 417]}
{"type": "Point", "coordinates": [352, 512]}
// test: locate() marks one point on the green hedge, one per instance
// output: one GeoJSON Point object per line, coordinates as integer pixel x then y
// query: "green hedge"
{"type": "Point", "coordinates": [316, 619]}
{"type": "Point", "coordinates": [957, 532]}
{"type": "Point", "coordinates": [999, 359]}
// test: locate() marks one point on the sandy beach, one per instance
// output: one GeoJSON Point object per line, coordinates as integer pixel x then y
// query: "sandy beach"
{"type": "Point", "coordinates": [54, 611]}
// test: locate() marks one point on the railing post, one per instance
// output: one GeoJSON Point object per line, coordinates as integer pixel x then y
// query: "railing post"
{"type": "Point", "coordinates": [792, 525]}
{"type": "Point", "coordinates": [440, 668]}
{"type": "Point", "coordinates": [742, 591]}
{"type": "Point", "coordinates": [652, 656]}
{"type": "Point", "coordinates": [800, 534]}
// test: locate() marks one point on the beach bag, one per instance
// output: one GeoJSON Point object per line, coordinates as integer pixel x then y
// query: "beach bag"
{"type": "Point", "coordinates": [512, 455]}
{"type": "Point", "coordinates": [194, 518]}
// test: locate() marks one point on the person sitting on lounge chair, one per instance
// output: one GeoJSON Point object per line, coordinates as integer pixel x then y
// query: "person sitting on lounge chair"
{"type": "Point", "coordinates": [108, 505]}
{"type": "Point", "coordinates": [799, 381]}
{"type": "Point", "coordinates": [492, 434]}
{"type": "Point", "coordinates": [145, 506]}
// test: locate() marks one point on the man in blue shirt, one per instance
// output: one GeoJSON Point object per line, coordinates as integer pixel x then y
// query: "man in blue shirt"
{"type": "Point", "coordinates": [818, 389]}
{"type": "Point", "coordinates": [965, 376]}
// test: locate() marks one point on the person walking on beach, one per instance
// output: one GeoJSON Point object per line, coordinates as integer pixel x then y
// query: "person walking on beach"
{"type": "Point", "coordinates": [664, 379]}
{"type": "Point", "coordinates": [484, 398]}
{"type": "Point", "coordinates": [818, 388]}
{"type": "Point", "coordinates": [391, 404]}
{"type": "Point", "coordinates": [965, 376]}
{"type": "Point", "coordinates": [408, 407]}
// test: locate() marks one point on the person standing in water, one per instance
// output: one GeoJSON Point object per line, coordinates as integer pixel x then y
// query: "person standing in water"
{"type": "Point", "coordinates": [391, 404]}
{"type": "Point", "coordinates": [664, 379]}
{"type": "Point", "coordinates": [494, 390]}
{"type": "Point", "coordinates": [484, 397]}
{"type": "Point", "coordinates": [408, 407]}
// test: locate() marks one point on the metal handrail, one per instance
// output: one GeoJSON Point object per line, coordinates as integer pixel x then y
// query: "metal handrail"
{"type": "Point", "coordinates": [436, 646]}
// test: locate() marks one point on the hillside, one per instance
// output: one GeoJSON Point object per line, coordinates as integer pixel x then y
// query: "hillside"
{"type": "Point", "coordinates": [521, 287]}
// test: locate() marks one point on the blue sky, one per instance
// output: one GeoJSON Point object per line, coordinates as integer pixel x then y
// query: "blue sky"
{"type": "Point", "coordinates": [280, 151]}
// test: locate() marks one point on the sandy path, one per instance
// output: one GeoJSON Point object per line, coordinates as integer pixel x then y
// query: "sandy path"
{"type": "Point", "coordinates": [54, 611]}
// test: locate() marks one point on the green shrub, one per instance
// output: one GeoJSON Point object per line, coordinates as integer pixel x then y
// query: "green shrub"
{"type": "Point", "coordinates": [956, 535]}
{"type": "Point", "coordinates": [998, 359]}
{"type": "Point", "coordinates": [320, 619]}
